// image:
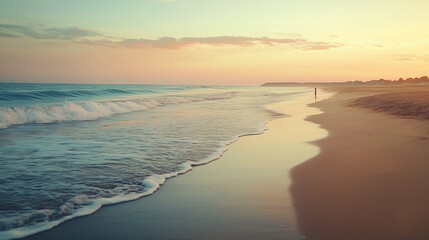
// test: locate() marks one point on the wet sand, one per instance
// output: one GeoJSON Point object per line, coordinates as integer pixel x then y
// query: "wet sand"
{"type": "Point", "coordinates": [242, 195]}
{"type": "Point", "coordinates": [371, 179]}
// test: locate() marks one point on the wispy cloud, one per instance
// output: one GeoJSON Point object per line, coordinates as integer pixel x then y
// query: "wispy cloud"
{"type": "Point", "coordinates": [86, 36]}
{"type": "Point", "coordinates": [70, 33]}
{"type": "Point", "coordinates": [241, 41]}
{"type": "Point", "coordinates": [40, 32]}
{"type": "Point", "coordinates": [412, 58]}
{"type": "Point", "coordinates": [8, 35]}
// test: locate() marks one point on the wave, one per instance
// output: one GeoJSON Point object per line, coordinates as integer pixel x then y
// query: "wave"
{"type": "Point", "coordinates": [53, 94]}
{"type": "Point", "coordinates": [81, 205]}
{"type": "Point", "coordinates": [91, 110]}
{"type": "Point", "coordinates": [10, 92]}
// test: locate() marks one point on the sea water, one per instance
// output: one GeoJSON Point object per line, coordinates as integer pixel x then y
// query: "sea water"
{"type": "Point", "coordinates": [68, 149]}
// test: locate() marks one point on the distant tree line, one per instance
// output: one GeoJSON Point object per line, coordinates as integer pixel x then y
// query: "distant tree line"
{"type": "Point", "coordinates": [417, 80]}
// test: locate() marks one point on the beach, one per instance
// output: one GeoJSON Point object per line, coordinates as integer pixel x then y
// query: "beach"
{"type": "Point", "coordinates": [242, 195]}
{"type": "Point", "coordinates": [186, 119]}
{"type": "Point", "coordinates": [347, 165]}
{"type": "Point", "coordinates": [371, 179]}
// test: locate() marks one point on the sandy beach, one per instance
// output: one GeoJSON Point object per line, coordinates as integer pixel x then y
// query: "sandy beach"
{"type": "Point", "coordinates": [242, 195]}
{"type": "Point", "coordinates": [371, 179]}
{"type": "Point", "coordinates": [187, 119]}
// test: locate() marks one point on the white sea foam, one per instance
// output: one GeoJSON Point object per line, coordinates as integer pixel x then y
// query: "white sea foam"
{"type": "Point", "coordinates": [82, 206]}
{"type": "Point", "coordinates": [91, 110]}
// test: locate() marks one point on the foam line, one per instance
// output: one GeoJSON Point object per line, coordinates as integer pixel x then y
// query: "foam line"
{"type": "Point", "coordinates": [90, 110]}
{"type": "Point", "coordinates": [150, 185]}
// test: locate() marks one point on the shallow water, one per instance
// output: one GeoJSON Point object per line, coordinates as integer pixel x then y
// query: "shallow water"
{"type": "Point", "coordinates": [243, 195]}
{"type": "Point", "coordinates": [66, 150]}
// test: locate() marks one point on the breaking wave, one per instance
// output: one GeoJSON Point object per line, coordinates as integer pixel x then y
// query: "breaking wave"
{"type": "Point", "coordinates": [54, 173]}
{"type": "Point", "coordinates": [91, 110]}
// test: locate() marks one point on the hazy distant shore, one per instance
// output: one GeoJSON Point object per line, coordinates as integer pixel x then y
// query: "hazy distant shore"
{"type": "Point", "coordinates": [371, 179]}
{"type": "Point", "coordinates": [424, 80]}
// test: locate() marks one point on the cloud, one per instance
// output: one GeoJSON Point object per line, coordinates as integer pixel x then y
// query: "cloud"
{"type": "Point", "coordinates": [82, 35]}
{"type": "Point", "coordinates": [18, 30]}
{"type": "Point", "coordinates": [40, 32]}
{"type": "Point", "coordinates": [8, 35]}
{"type": "Point", "coordinates": [412, 58]}
{"type": "Point", "coordinates": [241, 41]}
{"type": "Point", "coordinates": [70, 33]}
{"type": "Point", "coordinates": [320, 46]}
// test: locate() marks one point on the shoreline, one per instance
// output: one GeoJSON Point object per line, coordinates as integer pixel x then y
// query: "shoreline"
{"type": "Point", "coordinates": [244, 194]}
{"type": "Point", "coordinates": [152, 184]}
{"type": "Point", "coordinates": [371, 178]}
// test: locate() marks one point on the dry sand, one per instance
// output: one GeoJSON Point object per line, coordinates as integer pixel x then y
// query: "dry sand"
{"type": "Point", "coordinates": [371, 179]}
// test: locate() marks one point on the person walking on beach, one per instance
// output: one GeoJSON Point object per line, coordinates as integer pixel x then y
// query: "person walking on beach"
{"type": "Point", "coordinates": [315, 92]}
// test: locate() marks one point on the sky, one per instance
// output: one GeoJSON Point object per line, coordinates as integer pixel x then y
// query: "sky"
{"type": "Point", "coordinates": [216, 42]}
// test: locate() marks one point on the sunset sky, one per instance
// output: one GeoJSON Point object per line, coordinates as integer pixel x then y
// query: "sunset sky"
{"type": "Point", "coordinates": [232, 42]}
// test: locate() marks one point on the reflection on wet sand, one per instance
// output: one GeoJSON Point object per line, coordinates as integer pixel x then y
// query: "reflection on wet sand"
{"type": "Point", "coordinates": [371, 180]}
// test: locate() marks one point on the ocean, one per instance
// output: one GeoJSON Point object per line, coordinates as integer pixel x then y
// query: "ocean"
{"type": "Point", "coordinates": [68, 149]}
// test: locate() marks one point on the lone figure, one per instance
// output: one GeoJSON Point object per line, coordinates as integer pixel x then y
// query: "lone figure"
{"type": "Point", "coordinates": [315, 92]}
